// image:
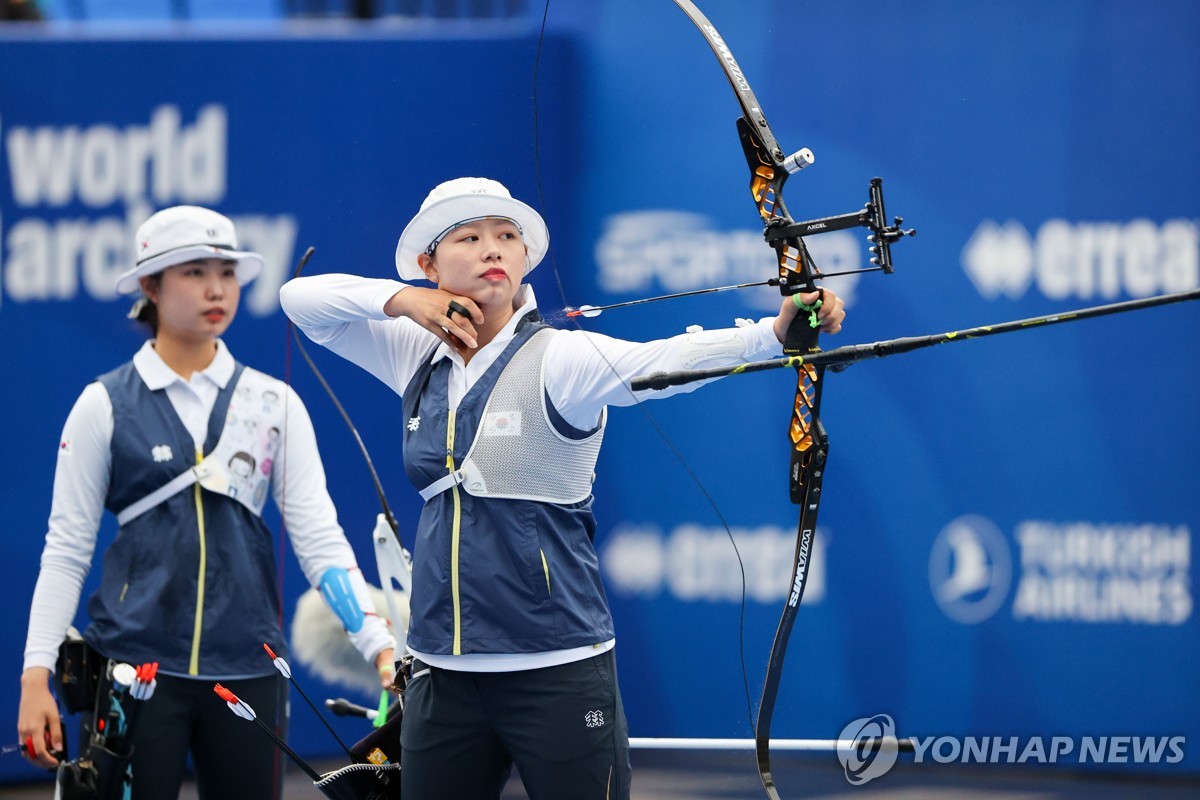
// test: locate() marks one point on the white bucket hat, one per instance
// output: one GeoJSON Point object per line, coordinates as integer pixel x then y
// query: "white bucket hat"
{"type": "Point", "coordinates": [186, 233]}
{"type": "Point", "coordinates": [452, 203]}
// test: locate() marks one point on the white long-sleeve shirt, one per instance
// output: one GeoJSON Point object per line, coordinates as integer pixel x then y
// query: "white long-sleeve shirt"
{"type": "Point", "coordinates": [81, 481]}
{"type": "Point", "coordinates": [584, 371]}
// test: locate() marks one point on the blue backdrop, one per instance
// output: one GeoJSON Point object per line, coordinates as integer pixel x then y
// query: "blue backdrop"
{"type": "Point", "coordinates": [1006, 537]}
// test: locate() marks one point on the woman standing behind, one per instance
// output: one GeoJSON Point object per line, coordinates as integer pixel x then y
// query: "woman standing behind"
{"type": "Point", "coordinates": [189, 581]}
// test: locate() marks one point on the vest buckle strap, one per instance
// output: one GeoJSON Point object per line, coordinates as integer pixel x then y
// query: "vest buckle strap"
{"type": "Point", "coordinates": [442, 484]}
{"type": "Point", "coordinates": [162, 493]}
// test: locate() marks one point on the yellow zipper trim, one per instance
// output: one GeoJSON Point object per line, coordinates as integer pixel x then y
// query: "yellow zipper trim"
{"type": "Point", "coordinates": [194, 663]}
{"type": "Point", "coordinates": [546, 569]}
{"type": "Point", "coordinates": [454, 539]}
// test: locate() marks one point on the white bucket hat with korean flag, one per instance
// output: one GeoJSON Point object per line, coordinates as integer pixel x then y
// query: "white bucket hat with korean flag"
{"type": "Point", "coordinates": [458, 202]}
{"type": "Point", "coordinates": [181, 234]}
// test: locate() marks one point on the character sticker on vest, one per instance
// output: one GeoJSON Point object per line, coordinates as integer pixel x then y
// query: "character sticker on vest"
{"type": "Point", "coordinates": [246, 450]}
{"type": "Point", "coordinates": [241, 470]}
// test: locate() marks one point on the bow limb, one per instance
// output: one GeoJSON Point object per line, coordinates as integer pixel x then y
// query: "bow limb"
{"type": "Point", "coordinates": [392, 560]}
{"type": "Point", "coordinates": [769, 167]}
{"type": "Point", "coordinates": [395, 569]}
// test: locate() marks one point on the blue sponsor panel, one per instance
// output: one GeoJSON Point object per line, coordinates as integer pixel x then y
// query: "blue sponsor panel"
{"type": "Point", "coordinates": [1005, 542]}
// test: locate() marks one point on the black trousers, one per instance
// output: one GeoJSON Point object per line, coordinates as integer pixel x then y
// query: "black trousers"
{"type": "Point", "coordinates": [233, 758]}
{"type": "Point", "coordinates": [563, 727]}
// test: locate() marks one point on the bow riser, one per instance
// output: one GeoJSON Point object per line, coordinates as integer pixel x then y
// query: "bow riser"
{"type": "Point", "coordinates": [805, 430]}
{"type": "Point", "coordinates": [795, 267]}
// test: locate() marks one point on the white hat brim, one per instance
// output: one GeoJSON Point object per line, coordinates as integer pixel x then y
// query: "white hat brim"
{"type": "Point", "coordinates": [249, 265]}
{"type": "Point", "coordinates": [435, 219]}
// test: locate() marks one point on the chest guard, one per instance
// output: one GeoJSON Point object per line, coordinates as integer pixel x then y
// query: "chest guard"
{"type": "Point", "coordinates": [518, 452]}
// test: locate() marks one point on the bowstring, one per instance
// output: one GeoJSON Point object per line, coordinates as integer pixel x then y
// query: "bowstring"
{"type": "Point", "coordinates": [639, 404]}
{"type": "Point", "coordinates": [390, 517]}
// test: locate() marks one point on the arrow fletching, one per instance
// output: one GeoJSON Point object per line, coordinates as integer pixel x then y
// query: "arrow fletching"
{"type": "Point", "coordinates": [236, 705]}
{"type": "Point", "coordinates": [284, 669]}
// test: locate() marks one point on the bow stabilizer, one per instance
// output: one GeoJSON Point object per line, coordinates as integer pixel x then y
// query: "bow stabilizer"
{"type": "Point", "coordinates": [841, 357]}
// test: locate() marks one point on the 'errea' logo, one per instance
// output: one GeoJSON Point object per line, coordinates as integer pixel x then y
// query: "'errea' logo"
{"type": "Point", "coordinates": [1084, 260]}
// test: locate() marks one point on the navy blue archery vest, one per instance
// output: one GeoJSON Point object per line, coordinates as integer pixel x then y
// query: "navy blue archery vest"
{"type": "Point", "coordinates": [191, 582]}
{"type": "Point", "coordinates": [493, 575]}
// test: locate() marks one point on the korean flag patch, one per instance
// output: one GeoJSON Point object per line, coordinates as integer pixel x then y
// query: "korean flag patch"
{"type": "Point", "coordinates": [502, 423]}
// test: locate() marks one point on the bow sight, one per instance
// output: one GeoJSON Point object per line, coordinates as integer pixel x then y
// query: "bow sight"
{"type": "Point", "coordinates": [768, 171]}
{"type": "Point", "coordinates": [872, 217]}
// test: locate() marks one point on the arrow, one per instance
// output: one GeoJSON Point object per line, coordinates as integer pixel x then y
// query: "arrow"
{"type": "Point", "coordinates": [243, 710]}
{"type": "Point", "coordinates": [286, 671]}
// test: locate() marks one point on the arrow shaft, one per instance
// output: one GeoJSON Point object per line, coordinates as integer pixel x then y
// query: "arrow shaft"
{"type": "Point", "coordinates": [576, 312]}
{"type": "Point", "coordinates": [282, 745]}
